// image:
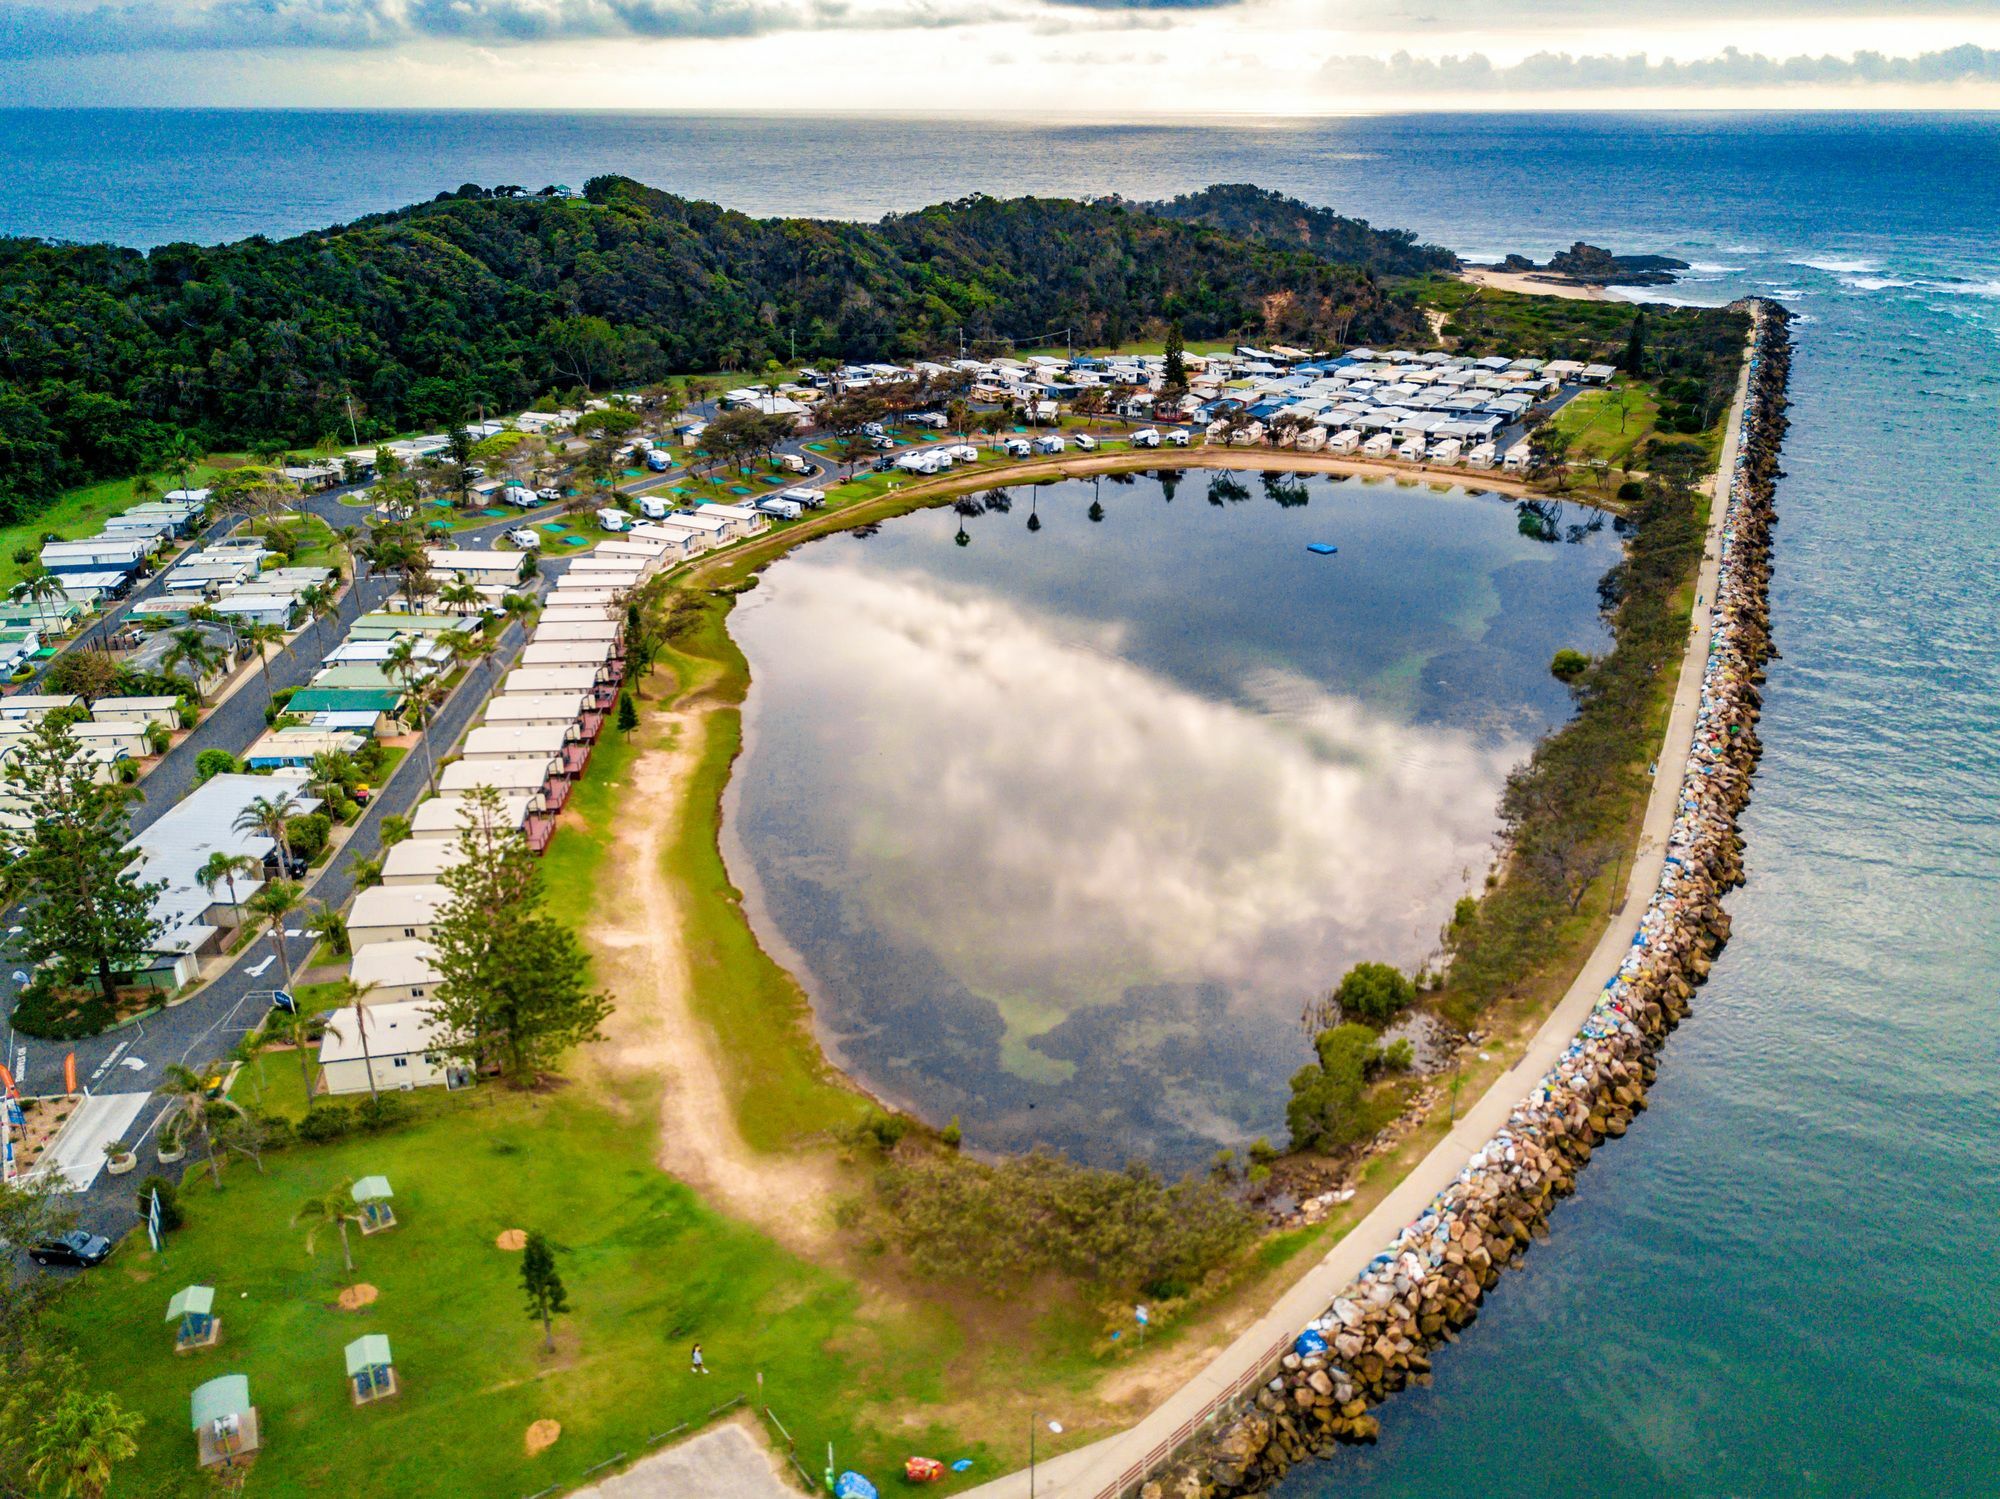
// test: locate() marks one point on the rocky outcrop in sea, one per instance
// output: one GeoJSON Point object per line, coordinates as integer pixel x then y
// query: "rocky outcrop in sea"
{"type": "Point", "coordinates": [1378, 1336]}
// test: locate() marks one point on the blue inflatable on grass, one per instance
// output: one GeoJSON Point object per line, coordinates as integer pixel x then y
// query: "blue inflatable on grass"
{"type": "Point", "coordinates": [853, 1486]}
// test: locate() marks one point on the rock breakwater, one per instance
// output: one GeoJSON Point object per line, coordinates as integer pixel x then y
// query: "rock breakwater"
{"type": "Point", "coordinates": [1377, 1337]}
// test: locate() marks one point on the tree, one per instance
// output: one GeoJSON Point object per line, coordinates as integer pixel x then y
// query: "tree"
{"type": "Point", "coordinates": [334, 1209]}
{"type": "Point", "coordinates": [215, 762]}
{"type": "Point", "coordinates": [1569, 664]}
{"type": "Point", "coordinates": [461, 595]}
{"type": "Point", "coordinates": [194, 1111]}
{"type": "Point", "coordinates": [326, 923]}
{"type": "Point", "coordinates": [1326, 1110]}
{"type": "Point", "coordinates": [350, 995]}
{"type": "Point", "coordinates": [271, 816]}
{"type": "Point", "coordinates": [298, 1030]}
{"type": "Point", "coordinates": [1374, 992]}
{"type": "Point", "coordinates": [226, 869]}
{"type": "Point", "coordinates": [1174, 379]}
{"type": "Point", "coordinates": [512, 981]}
{"type": "Point", "coordinates": [90, 674]}
{"type": "Point", "coordinates": [1635, 346]}
{"type": "Point", "coordinates": [275, 903]}
{"type": "Point", "coordinates": [260, 636]}
{"type": "Point", "coordinates": [193, 649]}
{"type": "Point", "coordinates": [628, 716]}
{"type": "Point", "coordinates": [1548, 454]}
{"type": "Point", "coordinates": [81, 1441]}
{"type": "Point", "coordinates": [547, 1297]}
{"type": "Point", "coordinates": [84, 910]}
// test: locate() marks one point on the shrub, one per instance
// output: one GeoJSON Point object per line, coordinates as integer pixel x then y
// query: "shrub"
{"type": "Point", "coordinates": [171, 1216]}
{"type": "Point", "coordinates": [54, 1011]}
{"type": "Point", "coordinates": [1374, 991]}
{"type": "Point", "coordinates": [1326, 1110]}
{"type": "Point", "coordinates": [883, 1131]}
{"type": "Point", "coordinates": [215, 762]}
{"type": "Point", "coordinates": [952, 1135]}
{"type": "Point", "coordinates": [308, 834]}
{"type": "Point", "coordinates": [326, 1123]}
{"type": "Point", "coordinates": [347, 808]}
{"type": "Point", "coordinates": [1631, 489]}
{"type": "Point", "coordinates": [1040, 1214]}
{"type": "Point", "coordinates": [383, 1111]}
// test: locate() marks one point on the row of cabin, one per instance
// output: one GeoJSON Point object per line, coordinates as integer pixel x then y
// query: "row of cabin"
{"type": "Point", "coordinates": [531, 746]}
{"type": "Point", "coordinates": [118, 730]}
{"type": "Point", "coordinates": [91, 569]}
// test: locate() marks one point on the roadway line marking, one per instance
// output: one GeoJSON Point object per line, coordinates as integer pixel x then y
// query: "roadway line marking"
{"type": "Point", "coordinates": [257, 970]}
{"type": "Point", "coordinates": [109, 1061]}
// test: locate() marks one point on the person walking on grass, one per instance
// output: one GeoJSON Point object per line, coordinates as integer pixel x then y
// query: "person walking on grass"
{"type": "Point", "coordinates": [696, 1366]}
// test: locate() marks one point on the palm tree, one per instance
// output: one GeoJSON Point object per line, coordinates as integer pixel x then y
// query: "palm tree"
{"type": "Point", "coordinates": [269, 815]}
{"type": "Point", "coordinates": [78, 1442]}
{"type": "Point", "coordinates": [192, 1106]}
{"type": "Point", "coordinates": [275, 902]}
{"type": "Point", "coordinates": [225, 869]}
{"type": "Point", "coordinates": [465, 646]}
{"type": "Point", "coordinates": [350, 995]}
{"type": "Point", "coordinates": [461, 595]}
{"type": "Point", "coordinates": [331, 1209]}
{"type": "Point", "coordinates": [326, 923]}
{"type": "Point", "coordinates": [181, 456]}
{"type": "Point", "coordinates": [294, 1028]}
{"type": "Point", "coordinates": [331, 773]}
{"type": "Point", "coordinates": [41, 590]}
{"type": "Point", "coordinates": [258, 635]}
{"type": "Point", "coordinates": [192, 649]}
{"type": "Point", "coordinates": [422, 699]}
{"type": "Point", "coordinates": [519, 606]}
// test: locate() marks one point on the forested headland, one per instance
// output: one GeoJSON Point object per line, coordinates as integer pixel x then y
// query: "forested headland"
{"type": "Point", "coordinates": [483, 300]}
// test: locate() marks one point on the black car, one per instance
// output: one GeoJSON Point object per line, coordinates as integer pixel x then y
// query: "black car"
{"type": "Point", "coordinates": [75, 1248]}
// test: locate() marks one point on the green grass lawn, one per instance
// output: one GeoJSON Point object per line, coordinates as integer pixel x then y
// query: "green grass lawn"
{"type": "Point", "coordinates": [649, 1270]}
{"type": "Point", "coordinates": [79, 512]}
{"type": "Point", "coordinates": [1598, 429]}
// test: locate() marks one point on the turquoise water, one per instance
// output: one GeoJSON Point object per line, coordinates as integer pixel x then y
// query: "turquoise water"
{"type": "Point", "coordinates": [1063, 820]}
{"type": "Point", "coordinates": [1777, 1283]}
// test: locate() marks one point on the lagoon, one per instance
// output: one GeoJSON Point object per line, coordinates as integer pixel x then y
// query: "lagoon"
{"type": "Point", "coordinates": [1062, 823]}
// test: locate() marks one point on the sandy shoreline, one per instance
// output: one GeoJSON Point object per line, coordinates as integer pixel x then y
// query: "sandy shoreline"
{"type": "Point", "coordinates": [1536, 286]}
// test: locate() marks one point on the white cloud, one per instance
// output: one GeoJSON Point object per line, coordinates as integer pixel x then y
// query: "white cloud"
{"type": "Point", "coordinates": [1563, 72]}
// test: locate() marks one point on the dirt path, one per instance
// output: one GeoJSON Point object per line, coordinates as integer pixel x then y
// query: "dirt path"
{"type": "Point", "coordinates": [655, 1037]}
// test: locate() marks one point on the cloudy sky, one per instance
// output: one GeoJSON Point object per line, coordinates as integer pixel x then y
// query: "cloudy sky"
{"type": "Point", "coordinates": [1071, 57]}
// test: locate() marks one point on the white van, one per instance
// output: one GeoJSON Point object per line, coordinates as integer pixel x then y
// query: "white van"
{"type": "Point", "coordinates": [614, 520]}
{"type": "Point", "coordinates": [792, 463]}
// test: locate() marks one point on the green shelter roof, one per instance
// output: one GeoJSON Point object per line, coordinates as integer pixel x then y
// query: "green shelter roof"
{"type": "Point", "coordinates": [198, 1300]}
{"type": "Point", "coordinates": [344, 700]}
{"type": "Point", "coordinates": [371, 1352]}
{"type": "Point", "coordinates": [372, 1189]}
{"type": "Point", "coordinates": [226, 1396]}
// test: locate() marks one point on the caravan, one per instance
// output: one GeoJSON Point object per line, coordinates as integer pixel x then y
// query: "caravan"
{"type": "Point", "coordinates": [1146, 437]}
{"type": "Point", "coordinates": [1180, 437]}
{"type": "Point", "coordinates": [1049, 443]}
{"type": "Point", "coordinates": [614, 520]}
{"type": "Point", "coordinates": [652, 506]}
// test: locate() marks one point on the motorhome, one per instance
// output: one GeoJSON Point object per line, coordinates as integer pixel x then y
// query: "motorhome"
{"type": "Point", "coordinates": [659, 460]}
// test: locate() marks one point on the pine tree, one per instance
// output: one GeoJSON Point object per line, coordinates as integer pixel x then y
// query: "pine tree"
{"type": "Point", "coordinates": [513, 984]}
{"type": "Point", "coordinates": [1175, 377]}
{"type": "Point", "coordinates": [1635, 346]}
{"type": "Point", "coordinates": [85, 911]}
{"type": "Point", "coordinates": [547, 1296]}
{"type": "Point", "coordinates": [628, 716]}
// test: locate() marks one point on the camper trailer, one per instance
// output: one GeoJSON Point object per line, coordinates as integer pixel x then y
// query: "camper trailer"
{"type": "Point", "coordinates": [1146, 437]}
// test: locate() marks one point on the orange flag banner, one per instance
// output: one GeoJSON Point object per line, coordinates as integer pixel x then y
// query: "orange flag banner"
{"type": "Point", "coordinates": [69, 1073]}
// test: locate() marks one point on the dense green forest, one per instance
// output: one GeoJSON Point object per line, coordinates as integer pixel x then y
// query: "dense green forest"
{"type": "Point", "coordinates": [1268, 218]}
{"type": "Point", "coordinates": [420, 316]}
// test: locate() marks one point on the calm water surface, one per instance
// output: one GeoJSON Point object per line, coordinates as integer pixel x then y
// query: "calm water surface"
{"type": "Point", "coordinates": [1064, 824]}
{"type": "Point", "coordinates": [1779, 1282]}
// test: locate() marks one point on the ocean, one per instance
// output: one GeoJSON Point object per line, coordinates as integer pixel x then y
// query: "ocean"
{"type": "Point", "coordinates": [1780, 1283]}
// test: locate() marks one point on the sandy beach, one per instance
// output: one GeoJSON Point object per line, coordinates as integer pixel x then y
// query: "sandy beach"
{"type": "Point", "coordinates": [1535, 286]}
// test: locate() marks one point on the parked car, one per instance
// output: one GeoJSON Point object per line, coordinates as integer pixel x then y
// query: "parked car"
{"type": "Point", "coordinates": [76, 1249]}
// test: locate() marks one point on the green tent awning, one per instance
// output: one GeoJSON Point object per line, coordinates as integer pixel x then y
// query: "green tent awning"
{"type": "Point", "coordinates": [227, 1396]}
{"type": "Point", "coordinates": [344, 700]}
{"type": "Point", "coordinates": [199, 1300]}
{"type": "Point", "coordinates": [372, 1189]}
{"type": "Point", "coordinates": [371, 1352]}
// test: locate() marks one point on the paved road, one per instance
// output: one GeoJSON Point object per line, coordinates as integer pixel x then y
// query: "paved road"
{"type": "Point", "coordinates": [208, 1024]}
